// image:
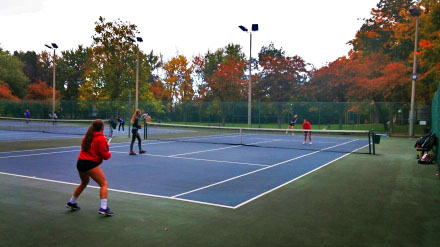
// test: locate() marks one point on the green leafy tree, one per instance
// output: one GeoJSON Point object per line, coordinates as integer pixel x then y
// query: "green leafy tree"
{"type": "Point", "coordinates": [111, 72]}
{"type": "Point", "coordinates": [11, 72]}
{"type": "Point", "coordinates": [71, 68]}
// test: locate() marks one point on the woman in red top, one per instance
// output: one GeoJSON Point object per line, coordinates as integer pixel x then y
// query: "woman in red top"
{"type": "Point", "coordinates": [307, 131]}
{"type": "Point", "coordinates": [94, 149]}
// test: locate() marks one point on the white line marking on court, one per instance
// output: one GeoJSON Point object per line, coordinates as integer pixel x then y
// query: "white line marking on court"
{"type": "Point", "coordinates": [252, 172]}
{"type": "Point", "coordinates": [188, 158]}
{"type": "Point", "coordinates": [25, 155]}
{"type": "Point", "coordinates": [215, 149]}
{"type": "Point", "coordinates": [38, 139]}
{"type": "Point", "coordinates": [116, 190]}
{"type": "Point", "coordinates": [267, 192]}
{"type": "Point", "coordinates": [113, 145]}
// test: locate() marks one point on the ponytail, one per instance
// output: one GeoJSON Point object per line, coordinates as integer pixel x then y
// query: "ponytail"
{"type": "Point", "coordinates": [96, 126]}
{"type": "Point", "coordinates": [136, 113]}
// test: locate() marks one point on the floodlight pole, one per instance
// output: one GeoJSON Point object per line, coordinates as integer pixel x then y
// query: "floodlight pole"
{"type": "Point", "coordinates": [416, 13]}
{"type": "Point", "coordinates": [137, 75]}
{"type": "Point", "coordinates": [254, 29]}
{"type": "Point", "coordinates": [53, 84]}
{"type": "Point", "coordinates": [54, 47]}
{"type": "Point", "coordinates": [250, 84]}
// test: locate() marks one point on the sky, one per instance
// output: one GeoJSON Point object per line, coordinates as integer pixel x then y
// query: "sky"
{"type": "Point", "coordinates": [316, 30]}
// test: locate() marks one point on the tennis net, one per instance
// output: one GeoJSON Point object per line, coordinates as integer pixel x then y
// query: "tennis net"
{"type": "Point", "coordinates": [58, 126]}
{"type": "Point", "coordinates": [323, 140]}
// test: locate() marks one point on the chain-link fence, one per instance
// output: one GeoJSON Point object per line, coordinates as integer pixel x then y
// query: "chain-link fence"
{"type": "Point", "coordinates": [386, 117]}
{"type": "Point", "coordinates": [435, 126]}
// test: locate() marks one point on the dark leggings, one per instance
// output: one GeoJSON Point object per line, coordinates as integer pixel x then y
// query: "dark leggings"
{"type": "Point", "coordinates": [121, 124]}
{"type": "Point", "coordinates": [133, 139]}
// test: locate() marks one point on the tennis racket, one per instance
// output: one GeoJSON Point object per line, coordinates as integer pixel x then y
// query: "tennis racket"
{"type": "Point", "coordinates": [109, 135]}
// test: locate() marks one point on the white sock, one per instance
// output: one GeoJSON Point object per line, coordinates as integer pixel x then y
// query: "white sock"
{"type": "Point", "coordinates": [73, 199]}
{"type": "Point", "coordinates": [104, 203]}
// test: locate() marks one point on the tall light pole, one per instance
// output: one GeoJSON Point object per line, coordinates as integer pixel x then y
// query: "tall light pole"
{"type": "Point", "coordinates": [414, 12]}
{"type": "Point", "coordinates": [254, 29]}
{"type": "Point", "coordinates": [138, 39]}
{"type": "Point", "coordinates": [53, 47]}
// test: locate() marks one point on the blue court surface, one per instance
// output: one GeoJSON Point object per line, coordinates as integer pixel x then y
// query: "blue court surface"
{"type": "Point", "coordinates": [214, 174]}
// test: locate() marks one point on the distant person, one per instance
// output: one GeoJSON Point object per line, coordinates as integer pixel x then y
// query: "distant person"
{"type": "Point", "coordinates": [121, 122]}
{"type": "Point", "coordinates": [94, 149]}
{"type": "Point", "coordinates": [94, 111]}
{"type": "Point", "coordinates": [55, 117]}
{"type": "Point", "coordinates": [27, 115]}
{"type": "Point", "coordinates": [136, 121]}
{"type": "Point", "coordinates": [292, 124]}
{"type": "Point", "coordinates": [307, 128]}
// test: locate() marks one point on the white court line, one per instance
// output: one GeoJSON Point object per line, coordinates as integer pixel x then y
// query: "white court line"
{"type": "Point", "coordinates": [188, 158]}
{"type": "Point", "coordinates": [37, 154]}
{"type": "Point", "coordinates": [116, 190]}
{"type": "Point", "coordinates": [284, 140]}
{"type": "Point", "coordinates": [288, 182]}
{"type": "Point", "coordinates": [113, 145]}
{"type": "Point", "coordinates": [252, 172]}
{"type": "Point", "coordinates": [38, 139]}
{"type": "Point", "coordinates": [215, 149]}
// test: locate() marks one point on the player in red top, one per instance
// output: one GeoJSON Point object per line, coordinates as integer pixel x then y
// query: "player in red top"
{"type": "Point", "coordinates": [94, 149]}
{"type": "Point", "coordinates": [307, 131]}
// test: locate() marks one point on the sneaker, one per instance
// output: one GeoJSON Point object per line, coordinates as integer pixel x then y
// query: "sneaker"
{"type": "Point", "coordinates": [304, 142]}
{"type": "Point", "coordinates": [72, 206]}
{"type": "Point", "coordinates": [132, 153]}
{"type": "Point", "coordinates": [106, 212]}
{"type": "Point", "coordinates": [142, 151]}
{"type": "Point", "coordinates": [310, 143]}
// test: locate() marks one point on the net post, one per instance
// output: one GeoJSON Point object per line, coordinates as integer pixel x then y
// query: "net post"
{"type": "Point", "coordinates": [374, 146]}
{"type": "Point", "coordinates": [241, 136]}
{"type": "Point", "coordinates": [369, 141]}
{"type": "Point", "coordinates": [145, 131]}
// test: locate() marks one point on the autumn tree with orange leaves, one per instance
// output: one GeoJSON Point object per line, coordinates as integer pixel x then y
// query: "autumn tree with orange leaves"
{"type": "Point", "coordinates": [281, 78]}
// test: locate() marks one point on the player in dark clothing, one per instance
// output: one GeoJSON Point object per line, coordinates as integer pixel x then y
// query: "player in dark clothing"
{"type": "Point", "coordinates": [121, 122]}
{"type": "Point", "coordinates": [27, 114]}
{"type": "Point", "coordinates": [292, 124]}
{"type": "Point", "coordinates": [136, 120]}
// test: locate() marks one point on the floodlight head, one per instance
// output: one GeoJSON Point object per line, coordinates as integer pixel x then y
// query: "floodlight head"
{"type": "Point", "coordinates": [254, 27]}
{"type": "Point", "coordinates": [414, 12]}
{"type": "Point", "coordinates": [243, 28]}
{"type": "Point", "coordinates": [139, 39]}
{"type": "Point", "coordinates": [131, 39]}
{"type": "Point", "coordinates": [48, 46]}
{"type": "Point", "coordinates": [54, 45]}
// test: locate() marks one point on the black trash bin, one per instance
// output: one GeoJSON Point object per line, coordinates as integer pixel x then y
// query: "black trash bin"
{"type": "Point", "coordinates": [376, 139]}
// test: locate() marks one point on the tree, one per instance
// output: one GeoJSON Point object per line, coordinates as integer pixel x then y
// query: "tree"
{"type": "Point", "coordinates": [281, 77]}
{"type": "Point", "coordinates": [110, 74]}
{"type": "Point", "coordinates": [30, 68]}
{"type": "Point", "coordinates": [178, 81]}
{"type": "Point", "coordinates": [377, 33]}
{"type": "Point", "coordinates": [40, 91]}
{"type": "Point", "coordinates": [71, 68]}
{"type": "Point", "coordinates": [11, 72]}
{"type": "Point", "coordinates": [5, 92]}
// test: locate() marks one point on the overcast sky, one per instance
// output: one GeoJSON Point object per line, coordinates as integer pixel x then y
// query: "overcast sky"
{"type": "Point", "coordinates": [316, 30]}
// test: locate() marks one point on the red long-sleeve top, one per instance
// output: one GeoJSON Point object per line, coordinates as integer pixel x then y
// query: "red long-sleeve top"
{"type": "Point", "coordinates": [98, 151]}
{"type": "Point", "coordinates": [306, 126]}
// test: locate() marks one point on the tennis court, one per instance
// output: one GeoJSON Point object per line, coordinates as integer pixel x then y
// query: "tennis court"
{"type": "Point", "coordinates": [221, 189]}
{"type": "Point", "coordinates": [202, 168]}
